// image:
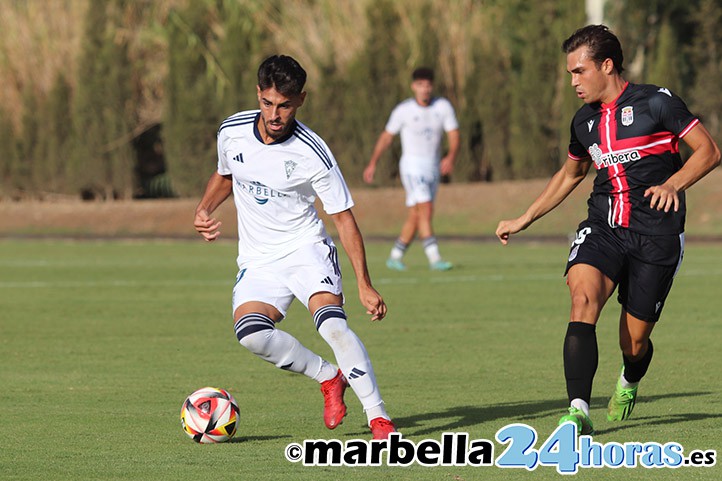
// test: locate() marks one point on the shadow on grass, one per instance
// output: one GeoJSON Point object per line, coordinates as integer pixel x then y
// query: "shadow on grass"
{"type": "Point", "coordinates": [657, 420]}
{"type": "Point", "coordinates": [461, 418]}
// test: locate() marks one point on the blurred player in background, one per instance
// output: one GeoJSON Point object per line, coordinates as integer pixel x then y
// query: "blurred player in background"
{"type": "Point", "coordinates": [422, 121]}
{"type": "Point", "coordinates": [275, 167]}
{"type": "Point", "coordinates": [633, 237]}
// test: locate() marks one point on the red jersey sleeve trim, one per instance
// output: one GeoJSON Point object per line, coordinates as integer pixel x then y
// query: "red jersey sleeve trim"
{"type": "Point", "coordinates": [686, 130]}
{"type": "Point", "coordinates": [574, 157]}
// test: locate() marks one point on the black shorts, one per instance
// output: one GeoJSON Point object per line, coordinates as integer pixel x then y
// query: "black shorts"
{"type": "Point", "coordinates": [643, 266]}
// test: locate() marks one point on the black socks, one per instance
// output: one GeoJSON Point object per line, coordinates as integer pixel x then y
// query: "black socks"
{"type": "Point", "coordinates": [635, 371]}
{"type": "Point", "coordinates": [580, 360]}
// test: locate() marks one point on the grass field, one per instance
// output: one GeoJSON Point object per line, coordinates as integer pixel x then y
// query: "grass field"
{"type": "Point", "coordinates": [100, 342]}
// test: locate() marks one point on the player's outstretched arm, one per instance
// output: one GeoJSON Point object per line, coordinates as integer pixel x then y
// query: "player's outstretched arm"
{"type": "Point", "coordinates": [558, 188]}
{"type": "Point", "coordinates": [353, 244]}
{"type": "Point", "coordinates": [383, 143]}
{"type": "Point", "coordinates": [218, 189]}
{"type": "Point", "coordinates": [705, 157]}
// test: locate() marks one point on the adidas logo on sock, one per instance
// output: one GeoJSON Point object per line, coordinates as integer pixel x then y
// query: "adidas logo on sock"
{"type": "Point", "coordinates": [356, 373]}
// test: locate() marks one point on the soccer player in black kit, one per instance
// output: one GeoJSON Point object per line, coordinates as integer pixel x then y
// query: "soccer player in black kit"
{"type": "Point", "coordinates": [633, 237]}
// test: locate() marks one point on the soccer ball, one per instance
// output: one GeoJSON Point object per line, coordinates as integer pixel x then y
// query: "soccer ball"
{"type": "Point", "coordinates": [209, 415]}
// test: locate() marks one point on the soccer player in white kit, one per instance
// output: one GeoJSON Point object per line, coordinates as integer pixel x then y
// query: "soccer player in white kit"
{"type": "Point", "coordinates": [275, 167]}
{"type": "Point", "coordinates": [421, 121]}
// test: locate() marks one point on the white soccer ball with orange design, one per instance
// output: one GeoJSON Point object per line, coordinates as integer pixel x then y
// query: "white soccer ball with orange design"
{"type": "Point", "coordinates": [210, 415]}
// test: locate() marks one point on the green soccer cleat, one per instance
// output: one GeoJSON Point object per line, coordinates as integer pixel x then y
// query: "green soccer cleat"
{"type": "Point", "coordinates": [395, 264]}
{"type": "Point", "coordinates": [577, 416]}
{"type": "Point", "coordinates": [622, 403]}
{"type": "Point", "coordinates": [441, 266]}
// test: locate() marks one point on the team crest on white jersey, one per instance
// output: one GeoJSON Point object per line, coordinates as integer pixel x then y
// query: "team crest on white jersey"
{"type": "Point", "coordinates": [627, 115]}
{"type": "Point", "coordinates": [290, 167]}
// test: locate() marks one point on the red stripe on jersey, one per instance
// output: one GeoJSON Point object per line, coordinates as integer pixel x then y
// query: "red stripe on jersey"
{"type": "Point", "coordinates": [608, 129]}
{"type": "Point", "coordinates": [668, 145]}
{"type": "Point", "coordinates": [621, 208]}
{"type": "Point", "coordinates": [656, 143]}
{"type": "Point", "coordinates": [686, 130]}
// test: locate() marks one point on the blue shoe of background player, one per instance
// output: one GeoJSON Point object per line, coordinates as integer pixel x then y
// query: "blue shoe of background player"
{"type": "Point", "coordinates": [441, 266]}
{"type": "Point", "coordinates": [395, 264]}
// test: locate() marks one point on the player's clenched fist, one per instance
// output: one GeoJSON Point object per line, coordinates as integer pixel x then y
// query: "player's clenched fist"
{"type": "Point", "coordinates": [207, 226]}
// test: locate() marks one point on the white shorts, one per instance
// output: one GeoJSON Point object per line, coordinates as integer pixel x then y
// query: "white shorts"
{"type": "Point", "coordinates": [310, 269]}
{"type": "Point", "coordinates": [420, 188]}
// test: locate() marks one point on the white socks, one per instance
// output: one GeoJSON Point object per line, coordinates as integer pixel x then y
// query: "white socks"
{"type": "Point", "coordinates": [626, 384]}
{"type": "Point", "coordinates": [352, 358]}
{"type": "Point", "coordinates": [581, 404]}
{"type": "Point", "coordinates": [431, 248]}
{"type": "Point", "coordinates": [258, 334]}
{"type": "Point", "coordinates": [398, 250]}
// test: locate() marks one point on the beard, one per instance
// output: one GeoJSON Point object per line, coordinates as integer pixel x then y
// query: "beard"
{"type": "Point", "coordinates": [276, 134]}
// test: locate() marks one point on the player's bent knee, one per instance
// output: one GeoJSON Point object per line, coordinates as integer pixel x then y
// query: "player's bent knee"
{"type": "Point", "coordinates": [257, 342]}
{"type": "Point", "coordinates": [585, 308]}
{"type": "Point", "coordinates": [329, 312]}
{"type": "Point", "coordinates": [580, 298]}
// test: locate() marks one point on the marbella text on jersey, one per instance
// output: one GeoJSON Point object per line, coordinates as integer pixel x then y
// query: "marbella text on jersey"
{"type": "Point", "coordinates": [261, 193]}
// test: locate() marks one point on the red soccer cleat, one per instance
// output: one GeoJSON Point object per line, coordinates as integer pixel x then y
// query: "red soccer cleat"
{"type": "Point", "coordinates": [334, 409]}
{"type": "Point", "coordinates": [381, 428]}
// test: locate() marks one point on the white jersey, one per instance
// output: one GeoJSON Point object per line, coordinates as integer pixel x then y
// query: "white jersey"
{"type": "Point", "coordinates": [422, 129]}
{"type": "Point", "coordinates": [275, 186]}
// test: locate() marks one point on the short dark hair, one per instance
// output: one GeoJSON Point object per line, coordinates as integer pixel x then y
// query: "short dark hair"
{"type": "Point", "coordinates": [282, 72]}
{"type": "Point", "coordinates": [601, 42]}
{"type": "Point", "coordinates": [423, 73]}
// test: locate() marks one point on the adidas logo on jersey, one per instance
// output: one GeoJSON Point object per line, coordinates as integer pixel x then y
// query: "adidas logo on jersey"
{"type": "Point", "coordinates": [328, 281]}
{"type": "Point", "coordinates": [239, 158]}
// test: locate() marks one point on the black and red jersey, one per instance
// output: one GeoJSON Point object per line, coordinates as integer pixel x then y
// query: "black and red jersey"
{"type": "Point", "coordinates": [634, 144]}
